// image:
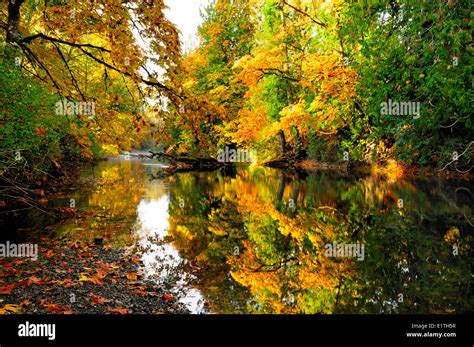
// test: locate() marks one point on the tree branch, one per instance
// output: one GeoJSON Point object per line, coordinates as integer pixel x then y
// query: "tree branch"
{"type": "Point", "coordinates": [74, 81]}
{"type": "Point", "coordinates": [33, 56]}
{"type": "Point", "coordinates": [314, 20]}
{"type": "Point", "coordinates": [277, 72]}
{"type": "Point", "coordinates": [28, 40]}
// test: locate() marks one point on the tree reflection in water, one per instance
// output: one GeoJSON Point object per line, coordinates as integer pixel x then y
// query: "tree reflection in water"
{"type": "Point", "coordinates": [253, 240]}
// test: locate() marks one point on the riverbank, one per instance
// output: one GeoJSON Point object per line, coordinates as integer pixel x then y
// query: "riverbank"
{"type": "Point", "coordinates": [73, 278]}
{"type": "Point", "coordinates": [390, 168]}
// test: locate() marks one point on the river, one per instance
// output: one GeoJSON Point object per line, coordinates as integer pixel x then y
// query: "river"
{"type": "Point", "coordinates": [259, 240]}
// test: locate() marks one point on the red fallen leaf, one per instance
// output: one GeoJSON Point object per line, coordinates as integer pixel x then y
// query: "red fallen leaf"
{"type": "Point", "coordinates": [107, 267]}
{"type": "Point", "coordinates": [139, 292]}
{"type": "Point", "coordinates": [40, 131]}
{"type": "Point", "coordinates": [49, 254]}
{"type": "Point", "coordinates": [7, 289]}
{"type": "Point", "coordinates": [9, 271]}
{"type": "Point", "coordinates": [68, 210]}
{"type": "Point", "coordinates": [98, 300]}
{"type": "Point", "coordinates": [71, 284]}
{"type": "Point", "coordinates": [117, 310]}
{"type": "Point", "coordinates": [32, 280]}
{"type": "Point", "coordinates": [25, 303]}
{"type": "Point", "coordinates": [98, 277]}
{"type": "Point", "coordinates": [75, 244]}
{"type": "Point", "coordinates": [3, 203]}
{"type": "Point", "coordinates": [136, 260]}
{"type": "Point", "coordinates": [167, 297]}
{"type": "Point", "coordinates": [57, 309]}
{"type": "Point", "coordinates": [19, 262]}
{"type": "Point", "coordinates": [66, 283]}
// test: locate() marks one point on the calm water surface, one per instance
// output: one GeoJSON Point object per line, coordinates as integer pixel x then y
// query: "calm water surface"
{"type": "Point", "coordinates": [253, 240]}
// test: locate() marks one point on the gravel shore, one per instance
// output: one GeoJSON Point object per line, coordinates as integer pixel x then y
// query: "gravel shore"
{"type": "Point", "coordinates": [71, 278]}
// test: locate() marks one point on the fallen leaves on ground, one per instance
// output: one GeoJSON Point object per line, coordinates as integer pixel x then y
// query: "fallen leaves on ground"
{"type": "Point", "coordinates": [167, 297]}
{"type": "Point", "coordinates": [132, 276]}
{"type": "Point", "coordinates": [56, 308]}
{"type": "Point", "coordinates": [117, 310]}
{"type": "Point", "coordinates": [32, 280]}
{"type": "Point", "coordinates": [66, 283]}
{"type": "Point", "coordinates": [49, 254]}
{"type": "Point", "coordinates": [25, 303]}
{"type": "Point", "coordinates": [7, 289]}
{"type": "Point", "coordinates": [10, 308]}
{"type": "Point", "coordinates": [98, 276]}
{"type": "Point", "coordinates": [95, 278]}
{"type": "Point", "coordinates": [25, 285]}
{"type": "Point", "coordinates": [98, 300]}
{"type": "Point", "coordinates": [106, 266]}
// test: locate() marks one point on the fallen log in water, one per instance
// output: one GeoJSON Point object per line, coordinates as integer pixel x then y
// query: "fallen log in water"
{"type": "Point", "coordinates": [284, 163]}
{"type": "Point", "coordinates": [188, 162]}
{"type": "Point", "coordinates": [344, 166]}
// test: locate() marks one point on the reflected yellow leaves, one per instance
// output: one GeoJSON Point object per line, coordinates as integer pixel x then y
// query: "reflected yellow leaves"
{"type": "Point", "coordinates": [254, 239]}
{"type": "Point", "coordinates": [109, 211]}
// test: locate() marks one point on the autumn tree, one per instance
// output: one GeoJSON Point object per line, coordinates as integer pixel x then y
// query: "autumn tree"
{"type": "Point", "coordinates": [299, 83]}
{"type": "Point", "coordinates": [211, 96]}
{"type": "Point", "coordinates": [113, 53]}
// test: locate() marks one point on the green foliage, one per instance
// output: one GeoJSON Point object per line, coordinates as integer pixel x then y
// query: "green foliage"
{"type": "Point", "coordinates": [32, 134]}
{"type": "Point", "coordinates": [412, 51]}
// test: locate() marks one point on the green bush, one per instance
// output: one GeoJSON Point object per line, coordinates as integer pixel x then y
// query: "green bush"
{"type": "Point", "coordinates": [32, 135]}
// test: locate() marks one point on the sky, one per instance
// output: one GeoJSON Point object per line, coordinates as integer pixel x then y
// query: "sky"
{"type": "Point", "coordinates": [185, 15]}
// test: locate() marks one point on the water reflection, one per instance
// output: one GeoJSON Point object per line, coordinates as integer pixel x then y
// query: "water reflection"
{"type": "Point", "coordinates": [259, 239]}
{"type": "Point", "coordinates": [161, 260]}
{"type": "Point", "coordinates": [253, 240]}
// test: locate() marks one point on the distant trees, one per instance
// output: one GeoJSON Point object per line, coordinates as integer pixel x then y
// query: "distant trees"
{"type": "Point", "coordinates": [312, 75]}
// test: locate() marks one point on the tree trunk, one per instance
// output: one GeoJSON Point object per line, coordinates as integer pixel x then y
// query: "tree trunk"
{"type": "Point", "coordinates": [13, 30]}
{"type": "Point", "coordinates": [282, 139]}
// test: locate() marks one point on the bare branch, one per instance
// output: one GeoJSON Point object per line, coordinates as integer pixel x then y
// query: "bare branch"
{"type": "Point", "coordinates": [314, 20]}
{"type": "Point", "coordinates": [28, 40]}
